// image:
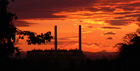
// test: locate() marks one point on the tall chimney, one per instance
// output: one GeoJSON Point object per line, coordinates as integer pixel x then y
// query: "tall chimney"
{"type": "Point", "coordinates": [55, 37]}
{"type": "Point", "coordinates": [80, 38]}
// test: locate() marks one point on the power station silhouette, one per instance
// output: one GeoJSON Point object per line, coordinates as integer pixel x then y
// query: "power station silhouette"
{"type": "Point", "coordinates": [58, 54]}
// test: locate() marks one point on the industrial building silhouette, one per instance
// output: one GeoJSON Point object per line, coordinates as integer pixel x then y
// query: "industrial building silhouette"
{"type": "Point", "coordinates": [76, 54]}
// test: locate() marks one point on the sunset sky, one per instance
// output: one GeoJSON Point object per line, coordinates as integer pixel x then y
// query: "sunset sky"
{"type": "Point", "coordinates": [104, 22]}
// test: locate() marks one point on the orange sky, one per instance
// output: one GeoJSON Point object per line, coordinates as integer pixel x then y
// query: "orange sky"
{"type": "Point", "coordinates": [104, 22]}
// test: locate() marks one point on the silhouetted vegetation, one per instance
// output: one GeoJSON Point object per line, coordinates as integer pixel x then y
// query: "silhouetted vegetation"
{"type": "Point", "coordinates": [129, 49]}
{"type": "Point", "coordinates": [8, 31]}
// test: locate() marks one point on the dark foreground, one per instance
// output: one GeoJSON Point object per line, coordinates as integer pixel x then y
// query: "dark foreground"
{"type": "Point", "coordinates": [69, 65]}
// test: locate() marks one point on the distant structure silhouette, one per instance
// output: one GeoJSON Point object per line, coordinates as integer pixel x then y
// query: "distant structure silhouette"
{"type": "Point", "coordinates": [80, 37]}
{"type": "Point", "coordinates": [76, 54]}
{"type": "Point", "coordinates": [55, 37]}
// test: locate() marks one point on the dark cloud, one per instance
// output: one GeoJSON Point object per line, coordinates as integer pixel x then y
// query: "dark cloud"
{"type": "Point", "coordinates": [67, 38]}
{"type": "Point", "coordinates": [97, 44]}
{"type": "Point", "coordinates": [112, 2]}
{"type": "Point", "coordinates": [63, 39]}
{"type": "Point", "coordinates": [86, 14]}
{"type": "Point", "coordinates": [109, 33]}
{"type": "Point", "coordinates": [122, 13]}
{"type": "Point", "coordinates": [106, 46]}
{"type": "Point", "coordinates": [107, 6]}
{"type": "Point", "coordinates": [105, 9]}
{"type": "Point", "coordinates": [21, 23]}
{"type": "Point", "coordinates": [136, 15]}
{"type": "Point", "coordinates": [109, 38]}
{"type": "Point", "coordinates": [90, 26]}
{"type": "Point", "coordinates": [92, 9]}
{"type": "Point", "coordinates": [125, 7]}
{"type": "Point", "coordinates": [119, 22]}
{"type": "Point", "coordinates": [89, 44]}
{"type": "Point", "coordinates": [67, 43]}
{"type": "Point", "coordinates": [46, 8]}
{"type": "Point", "coordinates": [107, 27]}
{"type": "Point", "coordinates": [35, 15]}
{"type": "Point", "coordinates": [134, 4]}
{"type": "Point", "coordinates": [129, 8]}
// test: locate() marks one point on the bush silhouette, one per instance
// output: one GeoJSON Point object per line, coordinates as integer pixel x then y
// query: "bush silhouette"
{"type": "Point", "coordinates": [129, 49]}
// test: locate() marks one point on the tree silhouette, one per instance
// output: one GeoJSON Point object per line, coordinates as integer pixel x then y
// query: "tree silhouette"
{"type": "Point", "coordinates": [8, 32]}
{"type": "Point", "coordinates": [130, 48]}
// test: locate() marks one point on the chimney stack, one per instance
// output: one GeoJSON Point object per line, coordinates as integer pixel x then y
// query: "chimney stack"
{"type": "Point", "coordinates": [55, 37]}
{"type": "Point", "coordinates": [80, 38]}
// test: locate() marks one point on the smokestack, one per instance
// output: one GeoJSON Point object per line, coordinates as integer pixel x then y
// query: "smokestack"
{"type": "Point", "coordinates": [55, 37]}
{"type": "Point", "coordinates": [80, 38]}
